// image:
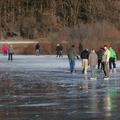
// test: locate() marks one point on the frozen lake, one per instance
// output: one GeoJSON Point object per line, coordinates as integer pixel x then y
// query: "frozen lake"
{"type": "Point", "coordinates": [42, 88]}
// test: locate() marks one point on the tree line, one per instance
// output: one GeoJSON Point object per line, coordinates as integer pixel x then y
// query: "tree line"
{"type": "Point", "coordinates": [35, 18]}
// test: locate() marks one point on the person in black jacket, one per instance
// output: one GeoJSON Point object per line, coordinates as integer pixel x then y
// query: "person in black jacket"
{"type": "Point", "coordinates": [100, 54]}
{"type": "Point", "coordinates": [85, 57]}
{"type": "Point", "coordinates": [61, 51]}
{"type": "Point", "coordinates": [37, 49]}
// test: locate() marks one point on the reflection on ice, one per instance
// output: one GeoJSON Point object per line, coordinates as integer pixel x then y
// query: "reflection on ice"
{"type": "Point", "coordinates": [33, 88]}
{"type": "Point", "coordinates": [39, 105]}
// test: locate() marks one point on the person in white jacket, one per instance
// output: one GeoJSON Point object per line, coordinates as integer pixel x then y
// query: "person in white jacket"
{"type": "Point", "coordinates": [105, 62]}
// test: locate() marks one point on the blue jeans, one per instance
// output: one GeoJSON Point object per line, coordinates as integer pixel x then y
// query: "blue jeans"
{"type": "Point", "coordinates": [72, 64]}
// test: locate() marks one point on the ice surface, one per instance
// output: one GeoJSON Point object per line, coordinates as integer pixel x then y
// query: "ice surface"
{"type": "Point", "coordinates": [42, 88]}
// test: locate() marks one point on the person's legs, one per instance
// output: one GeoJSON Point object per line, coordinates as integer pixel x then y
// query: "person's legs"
{"type": "Point", "coordinates": [61, 54]}
{"type": "Point", "coordinates": [106, 70]}
{"type": "Point", "coordinates": [8, 56]}
{"type": "Point", "coordinates": [93, 71]}
{"type": "Point", "coordinates": [110, 65]}
{"type": "Point", "coordinates": [11, 56]}
{"type": "Point", "coordinates": [72, 64]}
{"type": "Point", "coordinates": [85, 66]}
{"type": "Point", "coordinates": [103, 67]}
{"type": "Point", "coordinates": [57, 53]}
{"type": "Point", "coordinates": [37, 52]}
{"type": "Point", "coordinates": [99, 62]}
{"type": "Point", "coordinates": [5, 53]}
{"type": "Point", "coordinates": [114, 65]}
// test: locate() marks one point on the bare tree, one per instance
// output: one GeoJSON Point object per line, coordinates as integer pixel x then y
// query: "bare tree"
{"type": "Point", "coordinates": [70, 13]}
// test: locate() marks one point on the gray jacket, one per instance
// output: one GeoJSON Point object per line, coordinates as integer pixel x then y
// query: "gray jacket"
{"type": "Point", "coordinates": [93, 58]}
{"type": "Point", "coordinates": [10, 49]}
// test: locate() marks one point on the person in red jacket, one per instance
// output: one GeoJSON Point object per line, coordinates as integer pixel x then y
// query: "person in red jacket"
{"type": "Point", "coordinates": [4, 49]}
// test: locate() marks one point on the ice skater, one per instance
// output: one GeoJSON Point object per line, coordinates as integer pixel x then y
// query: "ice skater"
{"type": "Point", "coordinates": [84, 57]}
{"type": "Point", "coordinates": [10, 52]}
{"type": "Point", "coordinates": [37, 49]}
{"type": "Point", "coordinates": [112, 60]}
{"type": "Point", "coordinates": [61, 51]}
{"type": "Point", "coordinates": [4, 49]}
{"type": "Point", "coordinates": [105, 62]}
{"type": "Point", "coordinates": [93, 62]}
{"type": "Point", "coordinates": [100, 54]}
{"type": "Point", "coordinates": [71, 56]}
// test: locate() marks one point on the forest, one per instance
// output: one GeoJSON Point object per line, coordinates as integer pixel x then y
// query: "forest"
{"type": "Point", "coordinates": [38, 18]}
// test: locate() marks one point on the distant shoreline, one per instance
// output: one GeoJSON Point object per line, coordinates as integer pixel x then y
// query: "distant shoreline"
{"type": "Point", "coordinates": [17, 42]}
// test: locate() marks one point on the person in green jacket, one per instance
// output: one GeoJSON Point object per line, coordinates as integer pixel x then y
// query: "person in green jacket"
{"type": "Point", "coordinates": [113, 57]}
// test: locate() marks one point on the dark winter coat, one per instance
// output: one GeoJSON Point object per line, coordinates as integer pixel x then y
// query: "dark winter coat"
{"type": "Point", "coordinates": [100, 54]}
{"type": "Point", "coordinates": [37, 46]}
{"type": "Point", "coordinates": [58, 48]}
{"type": "Point", "coordinates": [84, 54]}
{"type": "Point", "coordinates": [61, 48]}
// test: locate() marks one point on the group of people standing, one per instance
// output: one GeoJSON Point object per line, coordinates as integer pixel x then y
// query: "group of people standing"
{"type": "Point", "coordinates": [8, 50]}
{"type": "Point", "coordinates": [59, 50]}
{"type": "Point", "coordinates": [105, 58]}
